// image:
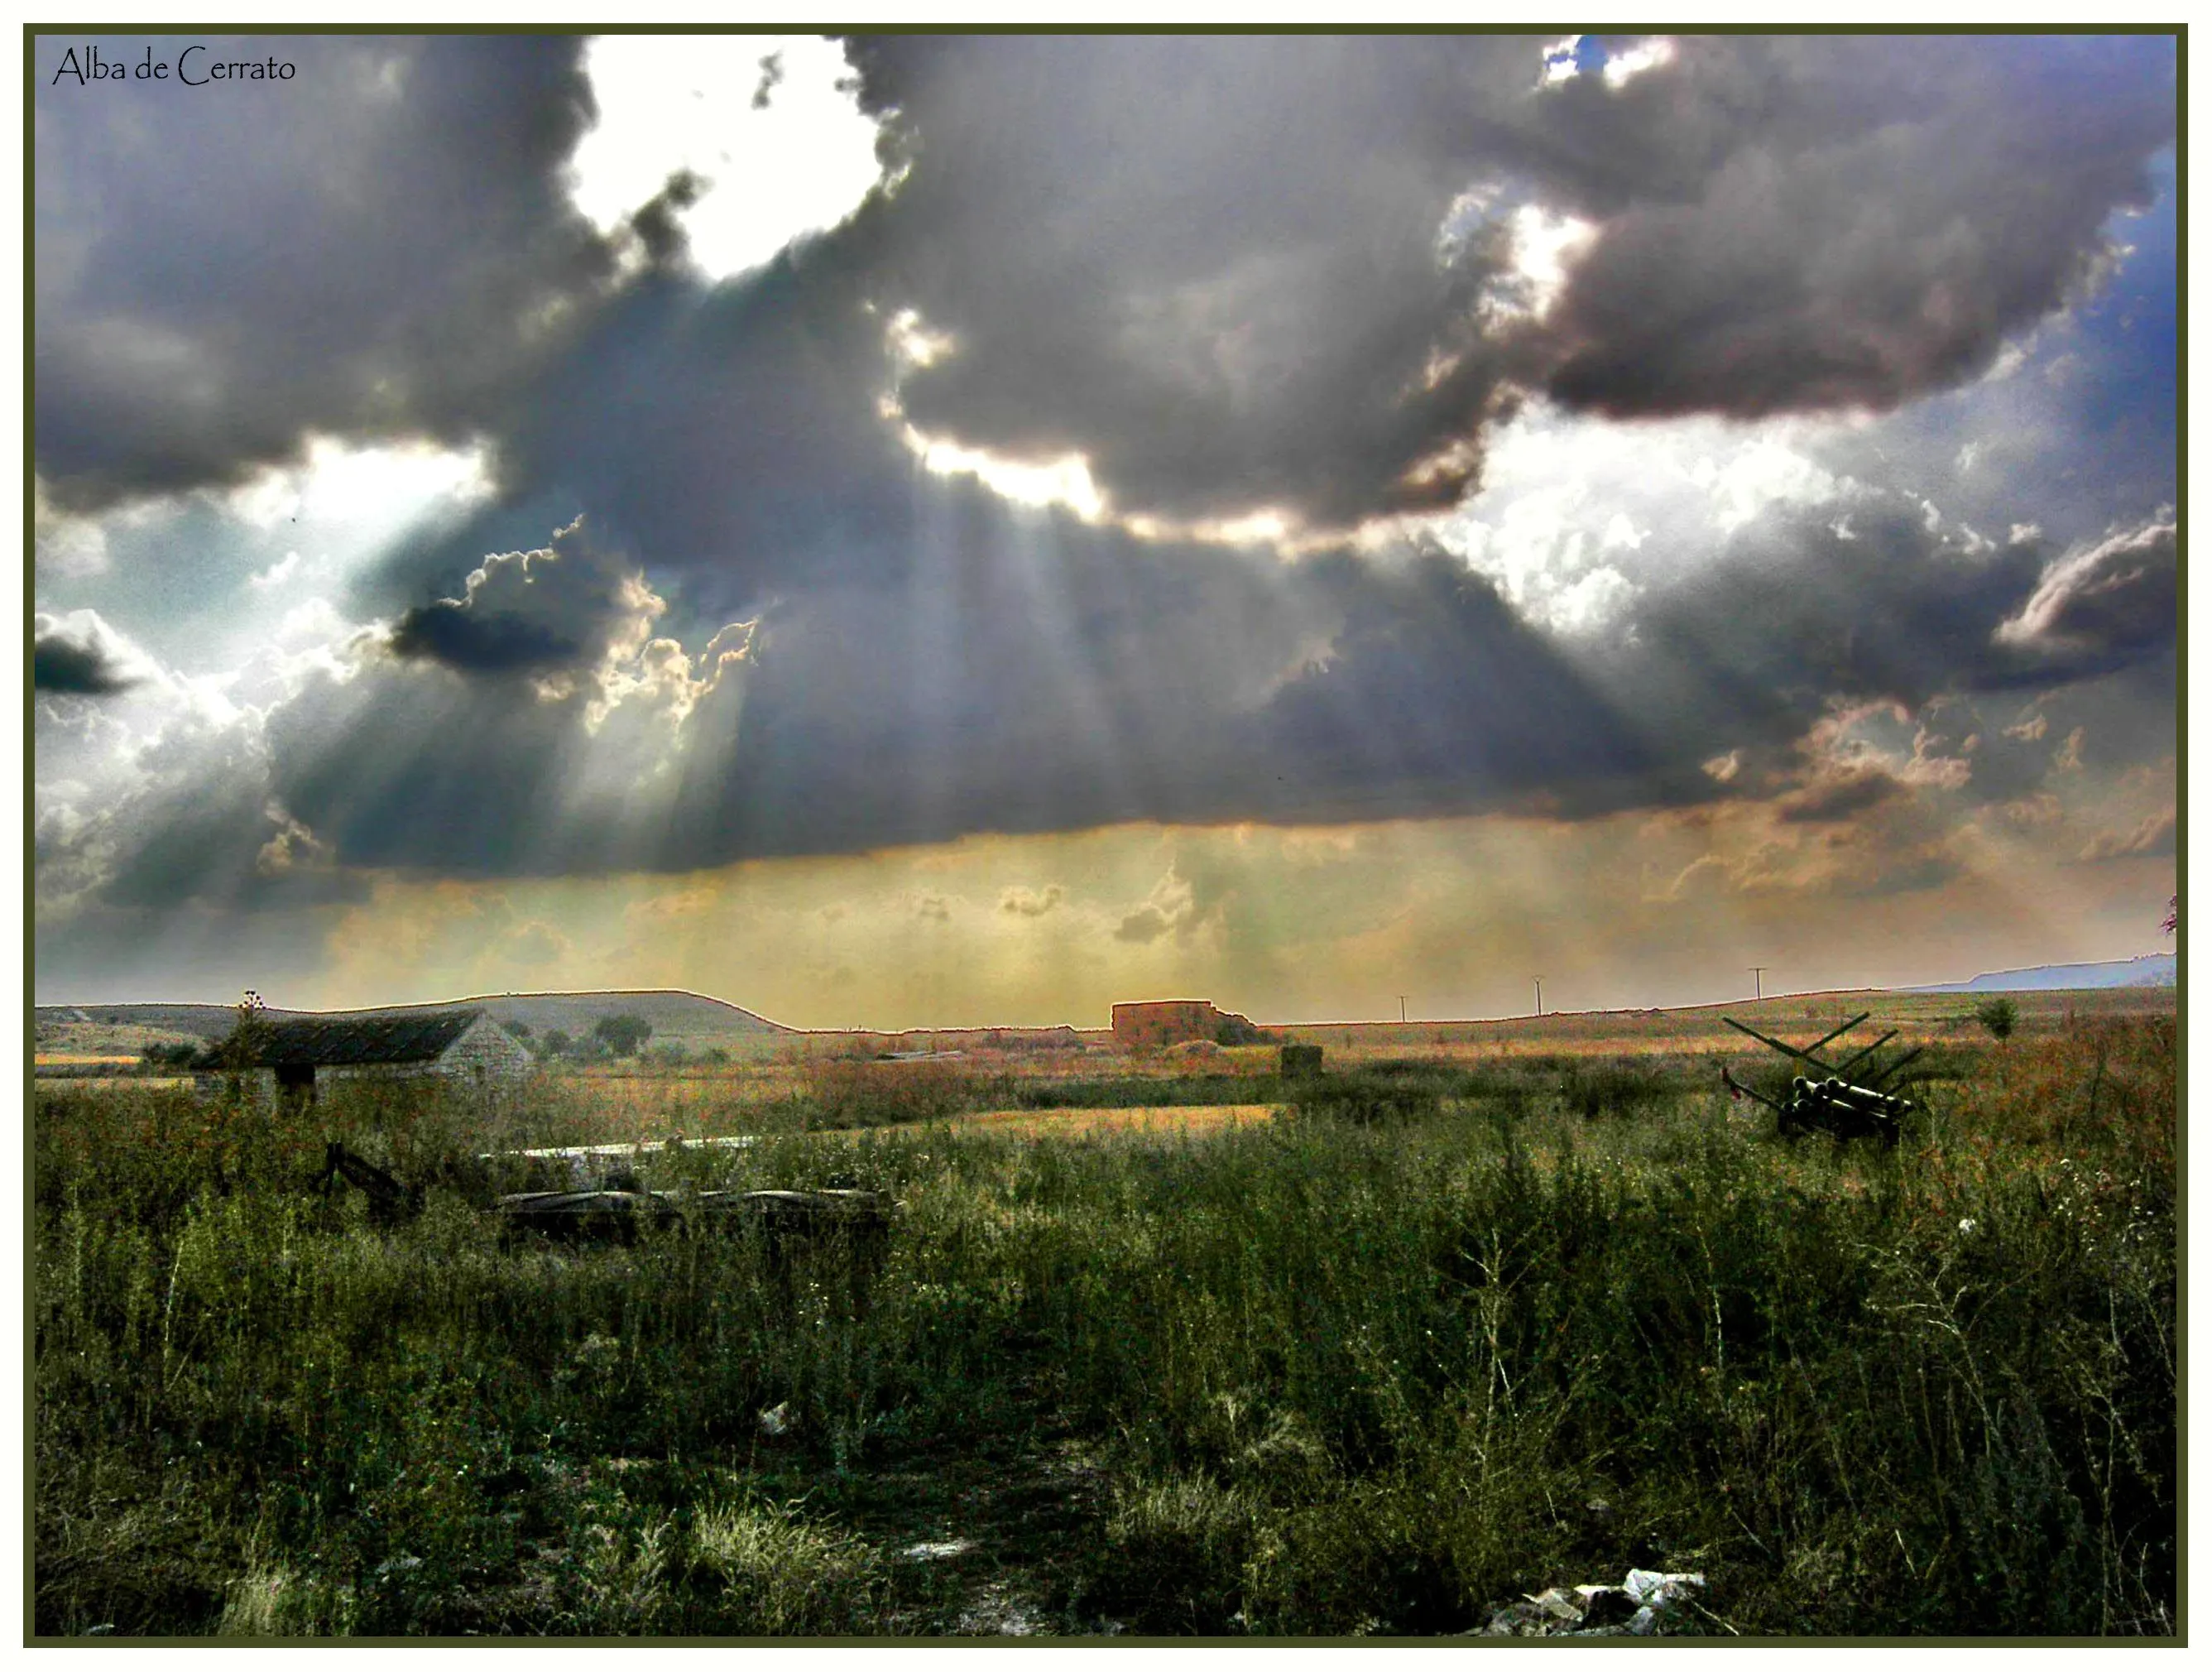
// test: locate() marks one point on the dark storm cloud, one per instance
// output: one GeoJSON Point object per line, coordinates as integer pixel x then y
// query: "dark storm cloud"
{"type": "Point", "coordinates": [1219, 268]}
{"type": "Point", "coordinates": [1210, 266]}
{"type": "Point", "coordinates": [176, 952]}
{"type": "Point", "coordinates": [2016, 738]}
{"type": "Point", "coordinates": [2108, 605]}
{"type": "Point", "coordinates": [1128, 682]}
{"type": "Point", "coordinates": [1437, 698]}
{"type": "Point", "coordinates": [1792, 611]}
{"type": "Point", "coordinates": [372, 248]}
{"type": "Point", "coordinates": [80, 655]}
{"type": "Point", "coordinates": [222, 841]}
{"type": "Point", "coordinates": [1750, 646]}
{"type": "Point", "coordinates": [1035, 673]}
{"type": "Point", "coordinates": [73, 666]}
{"type": "Point", "coordinates": [395, 768]}
{"type": "Point", "coordinates": [446, 632]}
{"type": "Point", "coordinates": [558, 606]}
{"type": "Point", "coordinates": [1756, 645]}
{"type": "Point", "coordinates": [59, 666]}
{"type": "Point", "coordinates": [1025, 675]}
{"type": "Point", "coordinates": [1817, 223]}
{"type": "Point", "coordinates": [1213, 266]}
{"type": "Point", "coordinates": [727, 440]}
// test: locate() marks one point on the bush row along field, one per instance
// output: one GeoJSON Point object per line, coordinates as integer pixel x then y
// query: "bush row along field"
{"type": "Point", "coordinates": [1366, 1368]}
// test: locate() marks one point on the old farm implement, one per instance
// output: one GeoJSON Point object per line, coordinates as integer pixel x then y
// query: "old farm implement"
{"type": "Point", "coordinates": [1834, 1102]}
{"type": "Point", "coordinates": [616, 1207]}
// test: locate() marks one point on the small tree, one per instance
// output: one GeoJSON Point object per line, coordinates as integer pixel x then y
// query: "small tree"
{"type": "Point", "coordinates": [1999, 1015]}
{"type": "Point", "coordinates": [622, 1035]}
{"type": "Point", "coordinates": [556, 1043]}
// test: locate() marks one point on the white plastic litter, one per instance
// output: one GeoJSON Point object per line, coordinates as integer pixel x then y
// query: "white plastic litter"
{"type": "Point", "coordinates": [1652, 1589]}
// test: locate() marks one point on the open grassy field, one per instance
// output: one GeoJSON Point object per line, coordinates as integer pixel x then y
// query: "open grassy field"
{"type": "Point", "coordinates": [1162, 1344]}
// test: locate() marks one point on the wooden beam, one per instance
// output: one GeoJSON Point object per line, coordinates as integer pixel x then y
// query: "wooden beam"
{"type": "Point", "coordinates": [1775, 1044]}
{"type": "Point", "coordinates": [1826, 1038]}
{"type": "Point", "coordinates": [1861, 1056]}
{"type": "Point", "coordinates": [1890, 1072]}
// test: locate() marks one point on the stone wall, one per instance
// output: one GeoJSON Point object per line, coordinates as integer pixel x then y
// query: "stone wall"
{"type": "Point", "coordinates": [486, 1047]}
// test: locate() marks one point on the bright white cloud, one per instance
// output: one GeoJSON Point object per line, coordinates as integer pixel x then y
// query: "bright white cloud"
{"type": "Point", "coordinates": [1650, 53]}
{"type": "Point", "coordinates": [277, 572]}
{"type": "Point", "coordinates": [1576, 516]}
{"type": "Point", "coordinates": [1746, 481]}
{"type": "Point", "coordinates": [1560, 63]}
{"type": "Point", "coordinates": [341, 486]}
{"type": "Point", "coordinates": [1544, 248]}
{"type": "Point", "coordinates": [71, 548]}
{"type": "Point", "coordinates": [1063, 481]}
{"type": "Point", "coordinates": [768, 124]}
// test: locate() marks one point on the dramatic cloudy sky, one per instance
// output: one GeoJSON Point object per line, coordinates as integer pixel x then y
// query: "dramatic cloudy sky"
{"type": "Point", "coordinates": [923, 531]}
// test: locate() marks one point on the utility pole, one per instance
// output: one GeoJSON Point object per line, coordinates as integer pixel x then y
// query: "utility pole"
{"type": "Point", "coordinates": [1758, 971]}
{"type": "Point", "coordinates": [1402, 1010]}
{"type": "Point", "coordinates": [1540, 995]}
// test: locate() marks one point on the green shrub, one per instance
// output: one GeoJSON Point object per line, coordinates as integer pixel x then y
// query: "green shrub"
{"type": "Point", "coordinates": [1999, 1015]}
{"type": "Point", "coordinates": [1366, 1096]}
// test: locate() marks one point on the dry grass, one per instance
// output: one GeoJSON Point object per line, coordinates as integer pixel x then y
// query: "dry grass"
{"type": "Point", "coordinates": [1331, 1374]}
{"type": "Point", "coordinates": [101, 1039]}
{"type": "Point", "coordinates": [1184, 1122]}
{"type": "Point", "coordinates": [113, 1082]}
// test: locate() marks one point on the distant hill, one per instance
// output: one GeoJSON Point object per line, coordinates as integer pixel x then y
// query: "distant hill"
{"type": "Point", "coordinates": [2154, 969]}
{"type": "Point", "coordinates": [687, 1017]}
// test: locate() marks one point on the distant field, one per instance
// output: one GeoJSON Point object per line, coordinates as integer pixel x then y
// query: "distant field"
{"type": "Point", "coordinates": [767, 1063]}
{"type": "Point", "coordinates": [1033, 1080]}
{"type": "Point", "coordinates": [1921, 1018]}
{"type": "Point", "coordinates": [1195, 1121]}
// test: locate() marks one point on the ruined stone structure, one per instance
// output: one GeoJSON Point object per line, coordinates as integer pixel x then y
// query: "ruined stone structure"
{"type": "Point", "coordinates": [1172, 1021]}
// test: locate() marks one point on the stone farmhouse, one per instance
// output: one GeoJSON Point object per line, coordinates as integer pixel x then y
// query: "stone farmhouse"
{"type": "Point", "coordinates": [299, 1056]}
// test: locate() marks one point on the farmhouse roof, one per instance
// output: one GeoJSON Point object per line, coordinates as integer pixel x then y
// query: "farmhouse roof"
{"type": "Point", "coordinates": [327, 1042]}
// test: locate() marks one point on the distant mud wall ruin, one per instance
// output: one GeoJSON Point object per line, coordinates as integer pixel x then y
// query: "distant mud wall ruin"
{"type": "Point", "coordinates": [1172, 1021]}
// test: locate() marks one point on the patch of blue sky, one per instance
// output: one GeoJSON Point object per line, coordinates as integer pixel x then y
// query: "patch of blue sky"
{"type": "Point", "coordinates": [2072, 432]}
